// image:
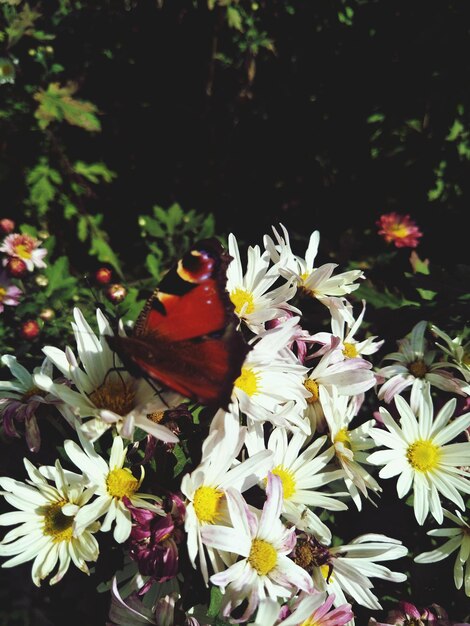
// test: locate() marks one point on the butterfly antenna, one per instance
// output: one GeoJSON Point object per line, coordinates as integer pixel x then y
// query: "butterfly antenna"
{"type": "Point", "coordinates": [96, 300]}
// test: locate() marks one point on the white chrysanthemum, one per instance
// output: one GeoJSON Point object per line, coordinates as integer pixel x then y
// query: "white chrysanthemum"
{"type": "Point", "coordinates": [415, 367]}
{"type": "Point", "coordinates": [345, 327]}
{"type": "Point", "coordinates": [205, 487]}
{"type": "Point", "coordinates": [318, 282]}
{"type": "Point", "coordinates": [263, 543]}
{"type": "Point", "coordinates": [417, 453]}
{"type": "Point", "coordinates": [250, 293]}
{"type": "Point", "coordinates": [346, 570]}
{"type": "Point", "coordinates": [348, 377]}
{"type": "Point", "coordinates": [350, 445]}
{"type": "Point", "coordinates": [112, 482]}
{"type": "Point", "coordinates": [458, 539]}
{"type": "Point", "coordinates": [45, 515]}
{"type": "Point", "coordinates": [271, 377]}
{"type": "Point", "coordinates": [300, 471]}
{"type": "Point", "coordinates": [104, 390]}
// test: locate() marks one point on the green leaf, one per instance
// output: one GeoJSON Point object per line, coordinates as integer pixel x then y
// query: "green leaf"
{"type": "Point", "coordinates": [215, 602]}
{"type": "Point", "coordinates": [153, 265]}
{"type": "Point", "coordinates": [94, 172]}
{"type": "Point", "coordinates": [57, 104]}
{"type": "Point", "coordinates": [174, 217]}
{"type": "Point", "coordinates": [22, 24]}
{"type": "Point", "coordinates": [70, 210]}
{"type": "Point", "coordinates": [234, 19]}
{"type": "Point", "coordinates": [152, 227]}
{"type": "Point", "coordinates": [382, 299]}
{"type": "Point", "coordinates": [181, 460]}
{"type": "Point", "coordinates": [455, 131]}
{"type": "Point", "coordinates": [103, 251]}
{"type": "Point", "coordinates": [42, 181]}
{"type": "Point", "coordinates": [59, 277]}
{"type": "Point", "coordinates": [375, 117]}
{"type": "Point", "coordinates": [82, 228]}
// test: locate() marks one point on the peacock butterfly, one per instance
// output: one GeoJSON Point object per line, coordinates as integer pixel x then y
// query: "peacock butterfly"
{"type": "Point", "coordinates": [187, 335]}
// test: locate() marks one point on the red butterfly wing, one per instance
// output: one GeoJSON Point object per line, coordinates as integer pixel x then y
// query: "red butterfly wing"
{"type": "Point", "coordinates": [186, 336]}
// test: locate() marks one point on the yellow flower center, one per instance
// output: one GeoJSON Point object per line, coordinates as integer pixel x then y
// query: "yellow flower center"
{"type": "Point", "coordinates": [206, 503]}
{"type": "Point", "coordinates": [240, 298]}
{"type": "Point", "coordinates": [121, 482]}
{"type": "Point", "coordinates": [288, 481]}
{"type": "Point", "coordinates": [56, 524]}
{"type": "Point", "coordinates": [312, 386]}
{"type": "Point", "coordinates": [263, 556]}
{"type": "Point", "coordinates": [350, 351]}
{"type": "Point", "coordinates": [22, 251]}
{"type": "Point", "coordinates": [423, 455]}
{"type": "Point", "coordinates": [3, 293]}
{"type": "Point", "coordinates": [418, 368]}
{"type": "Point", "coordinates": [156, 416]}
{"type": "Point", "coordinates": [399, 230]}
{"type": "Point", "coordinates": [116, 396]}
{"type": "Point", "coordinates": [304, 276]}
{"type": "Point", "coordinates": [343, 436]}
{"type": "Point", "coordinates": [248, 381]}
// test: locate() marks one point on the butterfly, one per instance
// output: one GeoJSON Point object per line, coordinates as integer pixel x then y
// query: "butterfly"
{"type": "Point", "coordinates": [187, 335]}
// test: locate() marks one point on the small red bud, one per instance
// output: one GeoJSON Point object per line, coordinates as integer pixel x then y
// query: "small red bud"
{"type": "Point", "coordinates": [16, 267]}
{"type": "Point", "coordinates": [103, 275]}
{"type": "Point", "coordinates": [7, 226]}
{"type": "Point", "coordinates": [116, 293]}
{"type": "Point", "coordinates": [30, 329]}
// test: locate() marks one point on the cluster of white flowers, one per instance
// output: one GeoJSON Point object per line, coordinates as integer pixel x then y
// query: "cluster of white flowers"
{"type": "Point", "coordinates": [290, 449]}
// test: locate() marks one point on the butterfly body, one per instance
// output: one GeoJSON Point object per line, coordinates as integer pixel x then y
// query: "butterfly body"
{"type": "Point", "coordinates": [187, 336]}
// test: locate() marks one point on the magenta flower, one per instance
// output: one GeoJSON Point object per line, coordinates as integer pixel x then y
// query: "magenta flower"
{"type": "Point", "coordinates": [154, 540]}
{"type": "Point", "coordinates": [408, 613]}
{"type": "Point", "coordinates": [399, 229]}
{"type": "Point", "coordinates": [9, 294]}
{"type": "Point", "coordinates": [26, 248]}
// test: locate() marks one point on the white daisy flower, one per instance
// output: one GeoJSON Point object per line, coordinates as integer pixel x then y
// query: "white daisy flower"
{"type": "Point", "coordinates": [205, 487]}
{"type": "Point", "coordinates": [112, 483]}
{"type": "Point", "coordinates": [346, 570]}
{"type": "Point", "coordinates": [458, 539]}
{"type": "Point", "coordinates": [263, 543]}
{"type": "Point", "coordinates": [345, 327]}
{"type": "Point", "coordinates": [46, 513]}
{"type": "Point", "coordinates": [302, 478]}
{"type": "Point", "coordinates": [250, 293]}
{"type": "Point", "coordinates": [349, 377]}
{"type": "Point", "coordinates": [271, 376]}
{"type": "Point", "coordinates": [318, 282]}
{"type": "Point", "coordinates": [350, 445]}
{"type": "Point", "coordinates": [415, 367]}
{"type": "Point", "coordinates": [105, 391]}
{"type": "Point", "coordinates": [418, 454]}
